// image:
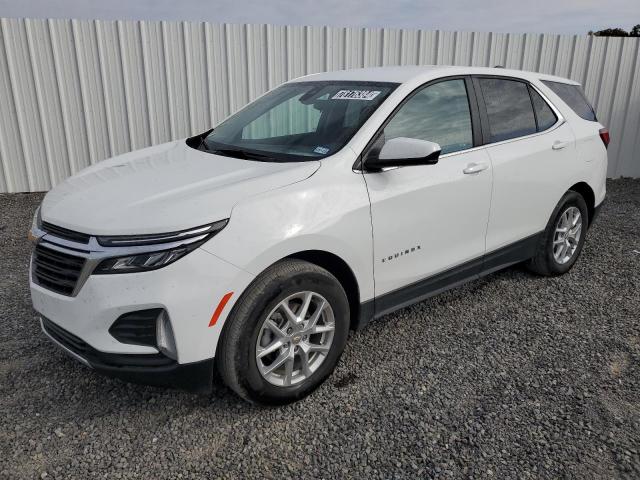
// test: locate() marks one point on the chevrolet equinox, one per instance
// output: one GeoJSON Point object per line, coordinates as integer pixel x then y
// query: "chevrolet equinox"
{"type": "Point", "coordinates": [249, 251]}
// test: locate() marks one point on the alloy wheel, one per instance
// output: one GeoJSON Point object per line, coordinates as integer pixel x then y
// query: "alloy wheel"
{"type": "Point", "coordinates": [295, 339]}
{"type": "Point", "coordinates": [567, 235]}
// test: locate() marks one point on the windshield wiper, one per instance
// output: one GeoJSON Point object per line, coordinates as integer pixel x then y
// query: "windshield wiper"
{"type": "Point", "coordinates": [229, 152]}
{"type": "Point", "coordinates": [243, 154]}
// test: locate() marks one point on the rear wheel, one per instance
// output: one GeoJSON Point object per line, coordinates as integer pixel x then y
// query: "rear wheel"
{"type": "Point", "coordinates": [285, 335]}
{"type": "Point", "coordinates": [563, 238]}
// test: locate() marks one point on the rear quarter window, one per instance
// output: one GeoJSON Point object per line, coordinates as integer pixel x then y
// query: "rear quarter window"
{"type": "Point", "coordinates": [573, 96]}
{"type": "Point", "coordinates": [545, 118]}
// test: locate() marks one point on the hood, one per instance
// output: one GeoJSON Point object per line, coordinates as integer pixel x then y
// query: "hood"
{"type": "Point", "coordinates": [160, 189]}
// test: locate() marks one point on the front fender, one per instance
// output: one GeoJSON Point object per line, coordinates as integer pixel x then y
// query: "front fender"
{"type": "Point", "coordinates": [324, 212]}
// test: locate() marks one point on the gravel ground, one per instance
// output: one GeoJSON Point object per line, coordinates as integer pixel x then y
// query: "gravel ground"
{"type": "Point", "coordinates": [513, 376]}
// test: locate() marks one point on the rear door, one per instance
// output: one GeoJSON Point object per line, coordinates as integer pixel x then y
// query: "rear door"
{"type": "Point", "coordinates": [532, 153]}
{"type": "Point", "coordinates": [430, 219]}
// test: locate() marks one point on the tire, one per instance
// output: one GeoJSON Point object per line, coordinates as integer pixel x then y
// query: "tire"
{"type": "Point", "coordinates": [544, 261]}
{"type": "Point", "coordinates": [246, 330]}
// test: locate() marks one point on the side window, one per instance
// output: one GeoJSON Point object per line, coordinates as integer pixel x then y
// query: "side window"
{"type": "Point", "coordinates": [573, 96]}
{"type": "Point", "coordinates": [508, 107]}
{"type": "Point", "coordinates": [544, 115]}
{"type": "Point", "coordinates": [437, 113]}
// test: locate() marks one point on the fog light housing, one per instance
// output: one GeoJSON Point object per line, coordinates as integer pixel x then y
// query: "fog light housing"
{"type": "Point", "coordinates": [164, 336]}
{"type": "Point", "coordinates": [137, 327]}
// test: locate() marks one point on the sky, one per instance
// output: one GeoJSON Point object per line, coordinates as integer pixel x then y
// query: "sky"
{"type": "Point", "coordinates": [515, 16]}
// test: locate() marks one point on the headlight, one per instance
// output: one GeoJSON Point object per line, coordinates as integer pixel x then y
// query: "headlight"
{"type": "Point", "coordinates": [141, 262]}
{"type": "Point", "coordinates": [158, 255]}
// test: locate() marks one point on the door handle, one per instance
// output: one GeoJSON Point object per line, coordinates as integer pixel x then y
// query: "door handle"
{"type": "Point", "coordinates": [475, 168]}
{"type": "Point", "coordinates": [557, 145]}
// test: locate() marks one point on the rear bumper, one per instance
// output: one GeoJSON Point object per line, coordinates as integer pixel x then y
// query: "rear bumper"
{"type": "Point", "coordinates": [148, 369]}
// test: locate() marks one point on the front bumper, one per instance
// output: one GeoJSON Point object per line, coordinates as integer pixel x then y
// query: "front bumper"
{"type": "Point", "coordinates": [154, 369]}
{"type": "Point", "coordinates": [189, 290]}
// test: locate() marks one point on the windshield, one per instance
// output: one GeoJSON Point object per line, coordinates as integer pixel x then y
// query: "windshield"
{"type": "Point", "coordinates": [296, 122]}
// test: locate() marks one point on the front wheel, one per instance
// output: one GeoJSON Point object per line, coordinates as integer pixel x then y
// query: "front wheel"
{"type": "Point", "coordinates": [563, 238]}
{"type": "Point", "coordinates": [285, 335]}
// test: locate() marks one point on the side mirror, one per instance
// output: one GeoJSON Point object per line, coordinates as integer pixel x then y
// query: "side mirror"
{"type": "Point", "coordinates": [403, 152]}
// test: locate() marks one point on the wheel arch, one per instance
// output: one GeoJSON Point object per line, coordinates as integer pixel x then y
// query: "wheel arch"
{"type": "Point", "coordinates": [589, 196]}
{"type": "Point", "coordinates": [343, 272]}
{"type": "Point", "coordinates": [339, 268]}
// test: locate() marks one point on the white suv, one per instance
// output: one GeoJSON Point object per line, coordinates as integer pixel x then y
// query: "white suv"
{"type": "Point", "coordinates": [336, 198]}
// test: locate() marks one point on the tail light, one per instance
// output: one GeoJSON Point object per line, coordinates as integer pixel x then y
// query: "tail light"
{"type": "Point", "coordinates": [604, 136]}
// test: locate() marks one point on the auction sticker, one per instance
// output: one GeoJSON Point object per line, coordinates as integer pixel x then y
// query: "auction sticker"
{"type": "Point", "coordinates": [356, 95]}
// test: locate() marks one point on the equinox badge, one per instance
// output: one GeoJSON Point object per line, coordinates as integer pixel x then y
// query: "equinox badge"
{"type": "Point", "coordinates": [401, 253]}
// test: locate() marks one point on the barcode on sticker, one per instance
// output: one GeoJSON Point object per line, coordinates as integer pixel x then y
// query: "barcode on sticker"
{"type": "Point", "coordinates": [356, 95]}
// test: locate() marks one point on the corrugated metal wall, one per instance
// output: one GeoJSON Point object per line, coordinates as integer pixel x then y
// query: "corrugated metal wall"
{"type": "Point", "coordinates": [73, 92]}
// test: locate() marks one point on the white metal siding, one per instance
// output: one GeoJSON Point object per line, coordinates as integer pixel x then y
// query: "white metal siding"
{"type": "Point", "coordinates": [74, 92]}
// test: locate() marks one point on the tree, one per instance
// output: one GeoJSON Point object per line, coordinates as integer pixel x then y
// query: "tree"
{"type": "Point", "coordinates": [611, 32]}
{"type": "Point", "coordinates": [617, 32]}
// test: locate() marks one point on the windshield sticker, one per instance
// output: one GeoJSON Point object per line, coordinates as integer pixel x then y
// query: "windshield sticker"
{"type": "Point", "coordinates": [356, 95]}
{"type": "Point", "coordinates": [321, 150]}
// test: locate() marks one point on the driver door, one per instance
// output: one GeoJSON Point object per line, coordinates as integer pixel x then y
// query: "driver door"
{"type": "Point", "coordinates": [430, 221]}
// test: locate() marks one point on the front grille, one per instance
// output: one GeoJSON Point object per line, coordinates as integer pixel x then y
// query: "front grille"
{"type": "Point", "coordinates": [55, 270]}
{"type": "Point", "coordinates": [65, 338]}
{"type": "Point", "coordinates": [102, 359]}
{"type": "Point", "coordinates": [65, 234]}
